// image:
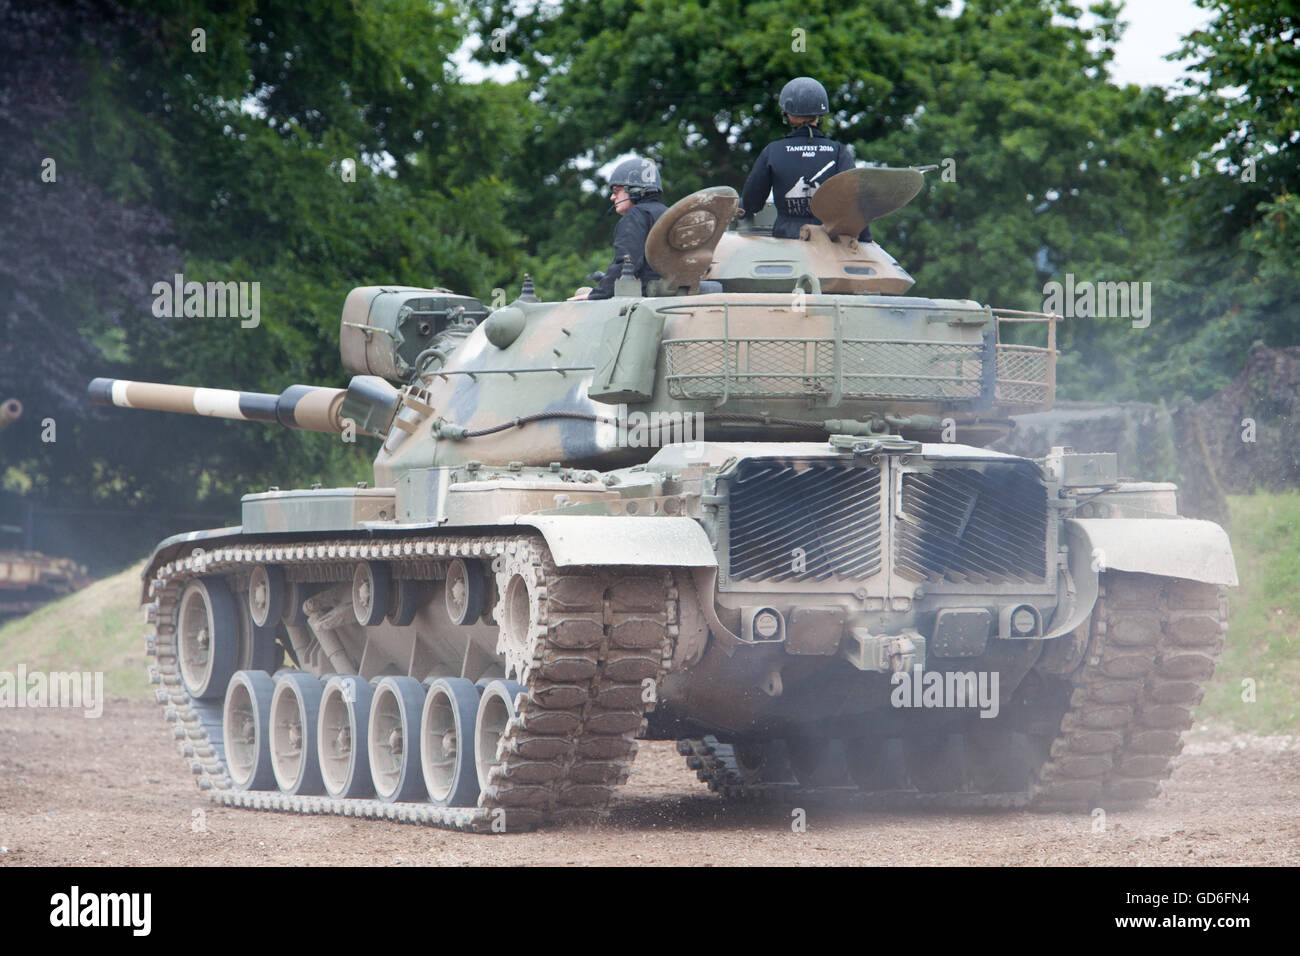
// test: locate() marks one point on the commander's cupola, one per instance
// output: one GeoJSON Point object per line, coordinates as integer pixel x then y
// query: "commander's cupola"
{"type": "Point", "coordinates": [692, 248]}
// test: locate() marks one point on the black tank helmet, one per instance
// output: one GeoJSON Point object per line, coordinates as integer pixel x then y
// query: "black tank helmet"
{"type": "Point", "coordinates": [640, 177]}
{"type": "Point", "coordinates": [804, 96]}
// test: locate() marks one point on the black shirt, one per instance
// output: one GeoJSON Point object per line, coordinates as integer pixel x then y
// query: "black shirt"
{"type": "Point", "coordinates": [629, 240]}
{"type": "Point", "coordinates": [792, 168]}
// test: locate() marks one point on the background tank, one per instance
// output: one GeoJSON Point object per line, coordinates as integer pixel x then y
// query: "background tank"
{"type": "Point", "coordinates": [748, 511]}
{"type": "Point", "coordinates": [29, 579]}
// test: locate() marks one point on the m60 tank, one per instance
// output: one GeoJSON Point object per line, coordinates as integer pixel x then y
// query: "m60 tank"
{"type": "Point", "coordinates": [29, 579]}
{"type": "Point", "coordinates": [745, 508]}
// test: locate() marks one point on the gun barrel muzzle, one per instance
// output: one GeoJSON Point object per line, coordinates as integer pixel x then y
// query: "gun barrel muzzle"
{"type": "Point", "coordinates": [10, 411]}
{"type": "Point", "coordinates": [299, 406]}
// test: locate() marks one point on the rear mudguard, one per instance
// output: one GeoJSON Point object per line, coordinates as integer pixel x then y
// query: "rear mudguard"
{"type": "Point", "coordinates": [1170, 547]}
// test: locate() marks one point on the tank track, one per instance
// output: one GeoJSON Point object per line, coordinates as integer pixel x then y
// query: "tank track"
{"type": "Point", "coordinates": [602, 633]}
{"type": "Point", "coordinates": [1153, 643]}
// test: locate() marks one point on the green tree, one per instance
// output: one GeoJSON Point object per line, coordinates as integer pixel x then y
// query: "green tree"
{"type": "Point", "coordinates": [1228, 268]}
{"type": "Point", "coordinates": [220, 154]}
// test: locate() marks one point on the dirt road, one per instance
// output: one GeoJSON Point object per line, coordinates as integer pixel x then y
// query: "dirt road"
{"type": "Point", "coordinates": [114, 791]}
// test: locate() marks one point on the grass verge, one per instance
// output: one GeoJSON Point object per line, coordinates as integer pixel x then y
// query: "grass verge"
{"type": "Point", "coordinates": [99, 628]}
{"type": "Point", "coordinates": [1263, 643]}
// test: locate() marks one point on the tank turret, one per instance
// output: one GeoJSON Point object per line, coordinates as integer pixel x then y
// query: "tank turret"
{"type": "Point", "coordinates": [753, 337]}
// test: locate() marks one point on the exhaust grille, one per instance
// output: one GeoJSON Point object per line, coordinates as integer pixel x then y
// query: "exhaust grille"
{"type": "Point", "coordinates": [830, 512]}
{"type": "Point", "coordinates": [985, 524]}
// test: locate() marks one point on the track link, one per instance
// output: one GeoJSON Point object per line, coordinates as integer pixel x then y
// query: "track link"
{"type": "Point", "coordinates": [600, 637]}
{"type": "Point", "coordinates": [1153, 643]}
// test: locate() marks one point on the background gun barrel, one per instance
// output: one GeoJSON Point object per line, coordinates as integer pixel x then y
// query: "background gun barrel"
{"type": "Point", "coordinates": [299, 406]}
{"type": "Point", "coordinates": [10, 411]}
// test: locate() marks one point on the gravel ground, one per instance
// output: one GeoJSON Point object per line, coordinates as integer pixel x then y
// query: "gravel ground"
{"type": "Point", "coordinates": [113, 790]}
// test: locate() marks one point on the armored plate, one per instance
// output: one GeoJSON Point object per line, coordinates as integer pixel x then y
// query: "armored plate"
{"type": "Point", "coordinates": [680, 246]}
{"type": "Point", "coordinates": [318, 509]}
{"type": "Point", "coordinates": [849, 200]}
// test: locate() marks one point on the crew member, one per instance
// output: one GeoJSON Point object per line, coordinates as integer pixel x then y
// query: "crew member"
{"type": "Point", "coordinates": [792, 168]}
{"type": "Point", "coordinates": [634, 193]}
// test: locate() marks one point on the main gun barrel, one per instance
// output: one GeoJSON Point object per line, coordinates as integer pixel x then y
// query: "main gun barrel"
{"type": "Point", "coordinates": [307, 407]}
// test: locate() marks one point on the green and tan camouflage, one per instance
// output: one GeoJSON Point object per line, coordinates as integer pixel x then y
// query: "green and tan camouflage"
{"type": "Point", "coordinates": [29, 580]}
{"type": "Point", "coordinates": [749, 511]}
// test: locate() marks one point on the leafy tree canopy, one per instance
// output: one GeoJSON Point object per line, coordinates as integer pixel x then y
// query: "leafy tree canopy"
{"type": "Point", "coordinates": [1227, 260]}
{"type": "Point", "coordinates": [212, 142]}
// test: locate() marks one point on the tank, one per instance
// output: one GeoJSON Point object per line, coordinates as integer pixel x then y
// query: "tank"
{"type": "Point", "coordinates": [747, 508]}
{"type": "Point", "coordinates": [29, 579]}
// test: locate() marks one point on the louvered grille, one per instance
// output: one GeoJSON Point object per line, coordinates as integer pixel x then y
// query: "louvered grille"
{"type": "Point", "coordinates": [829, 512]}
{"type": "Point", "coordinates": [986, 524]}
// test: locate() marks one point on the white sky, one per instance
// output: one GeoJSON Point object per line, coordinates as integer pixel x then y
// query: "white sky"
{"type": "Point", "coordinates": [1155, 27]}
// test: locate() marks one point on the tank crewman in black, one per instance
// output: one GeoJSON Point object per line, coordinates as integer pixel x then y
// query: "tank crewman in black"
{"type": "Point", "coordinates": [634, 191]}
{"type": "Point", "coordinates": [794, 167]}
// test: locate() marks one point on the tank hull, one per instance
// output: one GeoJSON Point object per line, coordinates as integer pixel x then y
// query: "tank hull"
{"type": "Point", "coordinates": [798, 616]}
